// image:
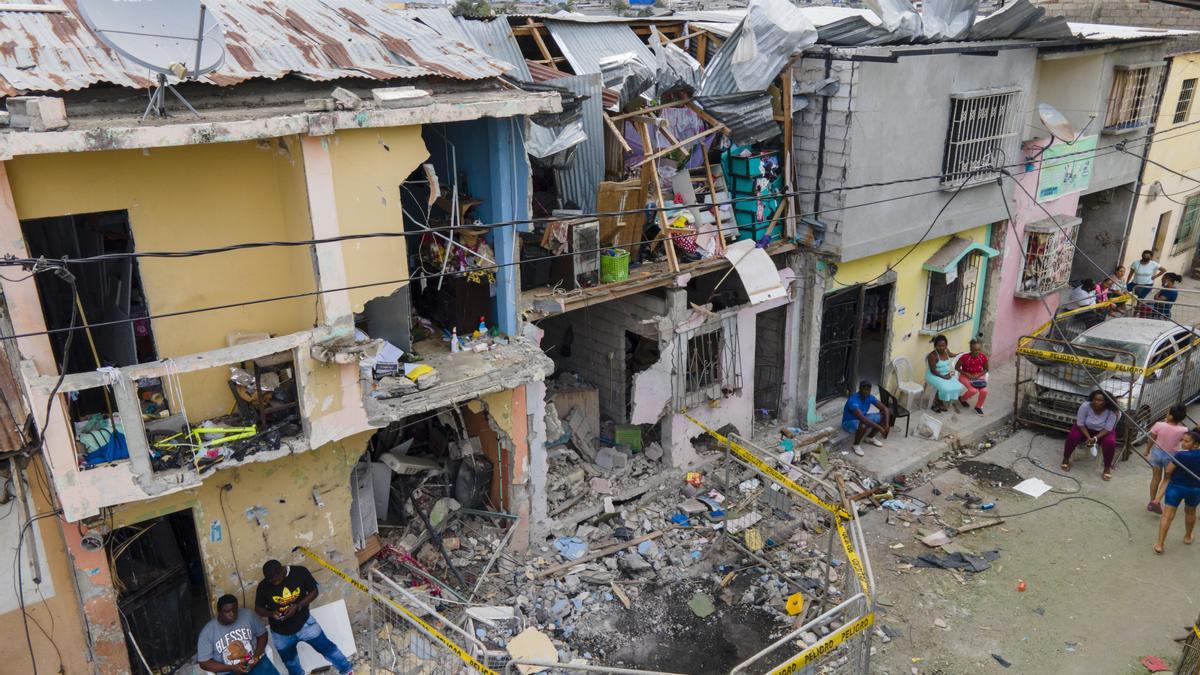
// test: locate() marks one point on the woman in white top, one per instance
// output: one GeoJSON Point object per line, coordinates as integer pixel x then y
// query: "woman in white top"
{"type": "Point", "coordinates": [1142, 274]}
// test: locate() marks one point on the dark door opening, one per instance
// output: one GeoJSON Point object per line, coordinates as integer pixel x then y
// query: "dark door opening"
{"type": "Point", "coordinates": [110, 290]}
{"type": "Point", "coordinates": [854, 328]}
{"type": "Point", "coordinates": [641, 352]}
{"type": "Point", "coordinates": [161, 596]}
{"type": "Point", "coordinates": [872, 344]}
{"type": "Point", "coordinates": [839, 342]}
{"type": "Point", "coordinates": [769, 329]}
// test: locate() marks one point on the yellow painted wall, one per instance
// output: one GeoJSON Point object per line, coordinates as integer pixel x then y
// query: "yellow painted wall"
{"type": "Point", "coordinates": [194, 197]}
{"type": "Point", "coordinates": [908, 307]}
{"type": "Point", "coordinates": [284, 488]}
{"type": "Point", "coordinates": [368, 167]}
{"type": "Point", "coordinates": [1180, 150]}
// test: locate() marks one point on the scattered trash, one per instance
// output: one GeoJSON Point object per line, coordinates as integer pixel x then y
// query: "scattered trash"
{"type": "Point", "coordinates": [1034, 487]}
{"type": "Point", "coordinates": [1001, 660]}
{"type": "Point", "coordinates": [1155, 664]}
{"type": "Point", "coordinates": [795, 604]}
{"type": "Point", "coordinates": [532, 645]}
{"type": "Point", "coordinates": [936, 539]}
{"type": "Point", "coordinates": [701, 605]}
{"type": "Point", "coordinates": [1040, 611]}
{"type": "Point", "coordinates": [1020, 586]}
{"type": "Point", "coordinates": [1072, 647]}
{"type": "Point", "coordinates": [940, 623]}
{"type": "Point", "coordinates": [958, 561]}
{"type": "Point", "coordinates": [571, 548]}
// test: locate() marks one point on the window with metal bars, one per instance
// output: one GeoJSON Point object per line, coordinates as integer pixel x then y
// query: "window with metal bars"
{"type": "Point", "coordinates": [1133, 96]}
{"type": "Point", "coordinates": [1049, 252]}
{"type": "Point", "coordinates": [706, 363]}
{"type": "Point", "coordinates": [983, 128]}
{"type": "Point", "coordinates": [1189, 225]}
{"type": "Point", "coordinates": [951, 297]}
{"type": "Point", "coordinates": [1183, 107]}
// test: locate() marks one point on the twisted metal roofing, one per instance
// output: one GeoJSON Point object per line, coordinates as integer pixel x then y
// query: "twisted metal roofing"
{"type": "Point", "coordinates": [318, 40]}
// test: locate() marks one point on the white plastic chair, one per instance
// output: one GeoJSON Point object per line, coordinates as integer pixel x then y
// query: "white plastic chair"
{"type": "Point", "coordinates": [908, 390]}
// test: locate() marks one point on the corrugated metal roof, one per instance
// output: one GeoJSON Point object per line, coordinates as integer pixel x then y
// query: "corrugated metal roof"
{"type": "Point", "coordinates": [314, 39]}
{"type": "Point", "coordinates": [586, 44]}
{"type": "Point", "coordinates": [441, 20]}
{"type": "Point", "coordinates": [580, 182]}
{"type": "Point", "coordinates": [495, 38]}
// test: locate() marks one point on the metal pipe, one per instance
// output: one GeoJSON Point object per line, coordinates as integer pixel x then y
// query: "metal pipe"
{"type": "Point", "coordinates": [821, 136]}
{"type": "Point", "coordinates": [492, 561]}
{"type": "Point", "coordinates": [796, 633]}
{"type": "Point", "coordinates": [388, 581]}
{"type": "Point", "coordinates": [437, 539]}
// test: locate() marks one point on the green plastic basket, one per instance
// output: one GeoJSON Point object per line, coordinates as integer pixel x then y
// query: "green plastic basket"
{"type": "Point", "coordinates": [627, 434]}
{"type": "Point", "coordinates": [614, 267]}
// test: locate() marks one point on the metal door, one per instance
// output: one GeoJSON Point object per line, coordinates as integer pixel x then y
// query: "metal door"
{"type": "Point", "coordinates": [841, 324]}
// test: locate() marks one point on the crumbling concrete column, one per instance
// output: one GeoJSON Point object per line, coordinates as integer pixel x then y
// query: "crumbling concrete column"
{"type": "Point", "coordinates": [804, 338]}
{"type": "Point", "coordinates": [99, 600]}
{"type": "Point", "coordinates": [538, 464]}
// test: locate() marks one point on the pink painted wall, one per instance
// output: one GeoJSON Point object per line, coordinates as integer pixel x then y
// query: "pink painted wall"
{"type": "Point", "coordinates": [1016, 317]}
{"type": "Point", "coordinates": [737, 410]}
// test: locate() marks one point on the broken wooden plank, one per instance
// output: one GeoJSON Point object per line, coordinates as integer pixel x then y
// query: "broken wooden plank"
{"type": "Point", "coordinates": [621, 595]}
{"type": "Point", "coordinates": [976, 526]}
{"type": "Point", "coordinates": [653, 108]}
{"type": "Point", "coordinates": [681, 144]}
{"type": "Point", "coordinates": [660, 206]}
{"type": "Point", "coordinates": [604, 552]}
{"type": "Point", "coordinates": [620, 138]}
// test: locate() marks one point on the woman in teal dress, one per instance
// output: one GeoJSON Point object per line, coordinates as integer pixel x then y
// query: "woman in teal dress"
{"type": "Point", "coordinates": [941, 374]}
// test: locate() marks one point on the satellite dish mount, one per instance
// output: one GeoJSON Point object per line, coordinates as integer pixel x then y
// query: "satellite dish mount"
{"type": "Point", "coordinates": [1059, 126]}
{"type": "Point", "coordinates": [162, 35]}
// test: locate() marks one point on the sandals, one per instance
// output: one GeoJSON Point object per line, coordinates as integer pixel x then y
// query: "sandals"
{"type": "Point", "coordinates": [1065, 466]}
{"type": "Point", "coordinates": [1107, 475]}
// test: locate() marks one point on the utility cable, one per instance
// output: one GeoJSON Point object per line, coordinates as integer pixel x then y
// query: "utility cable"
{"type": "Point", "coordinates": [989, 514]}
{"type": "Point", "coordinates": [21, 584]}
{"type": "Point", "coordinates": [1028, 457]}
{"type": "Point", "coordinates": [237, 568]}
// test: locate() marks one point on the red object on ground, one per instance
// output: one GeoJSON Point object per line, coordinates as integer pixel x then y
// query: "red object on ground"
{"type": "Point", "coordinates": [1155, 664]}
{"type": "Point", "coordinates": [1021, 586]}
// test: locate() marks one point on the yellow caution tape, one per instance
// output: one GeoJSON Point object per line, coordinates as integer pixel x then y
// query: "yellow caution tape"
{"type": "Point", "coordinates": [852, 556]}
{"type": "Point", "coordinates": [446, 642]}
{"type": "Point", "coordinates": [1196, 630]}
{"type": "Point", "coordinates": [753, 460]}
{"type": "Point", "coordinates": [825, 646]}
{"type": "Point", "coordinates": [1083, 360]}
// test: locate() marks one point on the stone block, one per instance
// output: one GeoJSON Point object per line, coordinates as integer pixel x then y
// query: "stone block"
{"type": "Point", "coordinates": [37, 113]}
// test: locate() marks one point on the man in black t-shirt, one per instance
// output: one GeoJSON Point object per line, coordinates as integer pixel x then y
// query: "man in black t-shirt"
{"type": "Point", "coordinates": [282, 598]}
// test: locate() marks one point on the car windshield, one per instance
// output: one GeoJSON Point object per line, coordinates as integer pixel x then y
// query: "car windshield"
{"type": "Point", "coordinates": [1139, 351]}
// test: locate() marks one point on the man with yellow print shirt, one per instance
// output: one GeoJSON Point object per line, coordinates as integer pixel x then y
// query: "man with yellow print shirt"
{"type": "Point", "coordinates": [282, 598]}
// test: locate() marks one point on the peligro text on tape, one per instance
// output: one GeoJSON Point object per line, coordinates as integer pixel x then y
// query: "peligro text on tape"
{"type": "Point", "coordinates": [776, 475]}
{"type": "Point", "coordinates": [1080, 360]}
{"type": "Point", "coordinates": [446, 642]}
{"type": "Point", "coordinates": [852, 556]}
{"type": "Point", "coordinates": [825, 645]}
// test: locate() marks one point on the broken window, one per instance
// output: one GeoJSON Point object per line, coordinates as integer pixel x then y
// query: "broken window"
{"type": "Point", "coordinates": [983, 126]}
{"type": "Point", "coordinates": [1049, 252]}
{"type": "Point", "coordinates": [1185, 235]}
{"type": "Point", "coordinates": [1131, 101]}
{"type": "Point", "coordinates": [951, 297]}
{"type": "Point", "coordinates": [706, 363]}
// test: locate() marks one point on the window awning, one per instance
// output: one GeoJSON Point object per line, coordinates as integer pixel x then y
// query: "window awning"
{"type": "Point", "coordinates": [956, 249]}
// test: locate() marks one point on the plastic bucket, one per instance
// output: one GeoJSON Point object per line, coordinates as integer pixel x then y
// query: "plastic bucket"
{"type": "Point", "coordinates": [614, 265]}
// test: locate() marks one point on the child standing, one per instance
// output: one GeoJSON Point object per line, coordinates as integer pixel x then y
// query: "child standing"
{"type": "Point", "coordinates": [1163, 444]}
{"type": "Point", "coordinates": [1181, 486]}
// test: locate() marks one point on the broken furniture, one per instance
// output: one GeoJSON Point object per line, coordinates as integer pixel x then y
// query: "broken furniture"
{"type": "Point", "coordinates": [274, 402]}
{"type": "Point", "coordinates": [579, 237]}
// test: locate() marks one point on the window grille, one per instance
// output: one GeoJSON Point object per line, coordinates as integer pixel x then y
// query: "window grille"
{"type": "Point", "coordinates": [706, 363]}
{"type": "Point", "coordinates": [1049, 253]}
{"type": "Point", "coordinates": [1133, 96]}
{"type": "Point", "coordinates": [983, 128]}
{"type": "Point", "coordinates": [1183, 107]}
{"type": "Point", "coordinates": [951, 297]}
{"type": "Point", "coordinates": [1189, 225]}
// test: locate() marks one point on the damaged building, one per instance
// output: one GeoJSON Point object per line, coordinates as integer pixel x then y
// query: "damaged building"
{"type": "Point", "coordinates": [515, 331]}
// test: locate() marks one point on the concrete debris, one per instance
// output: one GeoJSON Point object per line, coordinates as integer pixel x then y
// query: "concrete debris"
{"type": "Point", "coordinates": [36, 113]}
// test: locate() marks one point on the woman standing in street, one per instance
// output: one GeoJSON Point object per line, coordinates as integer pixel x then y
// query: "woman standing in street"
{"type": "Point", "coordinates": [1095, 425]}
{"type": "Point", "coordinates": [1165, 437]}
{"type": "Point", "coordinates": [1181, 485]}
{"type": "Point", "coordinates": [941, 375]}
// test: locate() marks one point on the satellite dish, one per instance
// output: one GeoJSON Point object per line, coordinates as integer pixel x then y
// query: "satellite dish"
{"type": "Point", "coordinates": [1056, 123]}
{"type": "Point", "coordinates": [170, 37]}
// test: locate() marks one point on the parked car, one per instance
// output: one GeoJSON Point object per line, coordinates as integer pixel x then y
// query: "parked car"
{"type": "Point", "coordinates": [1146, 365]}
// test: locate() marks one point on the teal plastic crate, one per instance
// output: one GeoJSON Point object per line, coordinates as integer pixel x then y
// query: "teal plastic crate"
{"type": "Point", "coordinates": [748, 166]}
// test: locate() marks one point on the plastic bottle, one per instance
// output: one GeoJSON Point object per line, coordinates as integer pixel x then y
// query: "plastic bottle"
{"type": "Point", "coordinates": [454, 340]}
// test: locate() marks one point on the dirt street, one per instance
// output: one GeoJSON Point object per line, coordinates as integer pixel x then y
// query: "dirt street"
{"type": "Point", "coordinates": [1096, 601]}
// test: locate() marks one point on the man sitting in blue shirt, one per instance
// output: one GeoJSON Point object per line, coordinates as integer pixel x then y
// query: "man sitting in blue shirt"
{"type": "Point", "coordinates": [858, 419]}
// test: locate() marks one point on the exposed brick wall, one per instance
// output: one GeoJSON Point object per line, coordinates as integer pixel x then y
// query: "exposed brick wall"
{"type": "Point", "coordinates": [809, 73]}
{"type": "Point", "coordinates": [1146, 13]}
{"type": "Point", "coordinates": [597, 350]}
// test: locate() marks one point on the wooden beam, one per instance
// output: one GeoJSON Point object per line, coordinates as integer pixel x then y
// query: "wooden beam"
{"type": "Point", "coordinates": [537, 37]}
{"type": "Point", "coordinates": [712, 198]}
{"type": "Point", "coordinates": [658, 198]}
{"type": "Point", "coordinates": [712, 121]}
{"type": "Point", "coordinates": [616, 133]}
{"type": "Point", "coordinates": [702, 47]}
{"type": "Point", "coordinates": [675, 146]}
{"type": "Point", "coordinates": [653, 108]}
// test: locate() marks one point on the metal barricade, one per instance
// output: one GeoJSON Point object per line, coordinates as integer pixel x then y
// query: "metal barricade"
{"type": "Point", "coordinates": [841, 613]}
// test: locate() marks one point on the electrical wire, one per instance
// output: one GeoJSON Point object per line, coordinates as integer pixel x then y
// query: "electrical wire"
{"type": "Point", "coordinates": [990, 514]}
{"type": "Point", "coordinates": [1038, 463]}
{"type": "Point", "coordinates": [21, 584]}
{"type": "Point", "coordinates": [237, 568]}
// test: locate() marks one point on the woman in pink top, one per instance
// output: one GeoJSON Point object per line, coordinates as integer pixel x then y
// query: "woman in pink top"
{"type": "Point", "coordinates": [1163, 444]}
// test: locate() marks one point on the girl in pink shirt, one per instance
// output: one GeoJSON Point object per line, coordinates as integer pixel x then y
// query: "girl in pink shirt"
{"type": "Point", "coordinates": [1164, 442]}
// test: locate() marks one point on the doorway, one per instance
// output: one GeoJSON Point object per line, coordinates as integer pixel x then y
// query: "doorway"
{"type": "Point", "coordinates": [161, 595]}
{"type": "Point", "coordinates": [1160, 234]}
{"type": "Point", "coordinates": [854, 326]}
{"type": "Point", "coordinates": [108, 290]}
{"type": "Point", "coordinates": [769, 329]}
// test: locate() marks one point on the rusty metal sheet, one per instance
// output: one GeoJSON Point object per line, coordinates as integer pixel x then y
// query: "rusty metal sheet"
{"type": "Point", "coordinates": [313, 39]}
